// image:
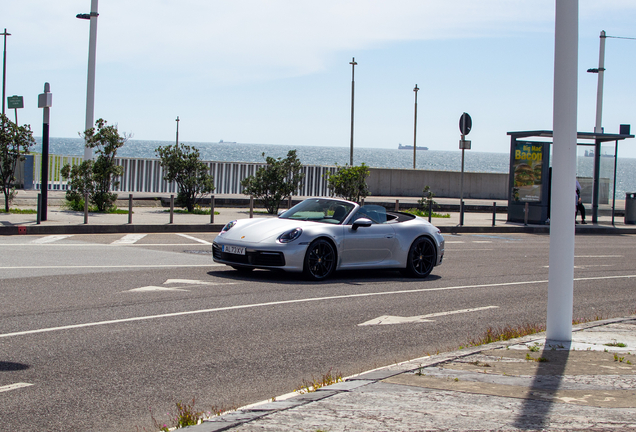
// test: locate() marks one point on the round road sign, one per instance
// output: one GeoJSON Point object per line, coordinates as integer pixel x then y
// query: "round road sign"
{"type": "Point", "coordinates": [465, 124]}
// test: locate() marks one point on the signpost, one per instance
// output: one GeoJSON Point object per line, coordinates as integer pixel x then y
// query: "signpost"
{"type": "Point", "coordinates": [45, 101]}
{"type": "Point", "coordinates": [465, 125]}
{"type": "Point", "coordinates": [15, 102]}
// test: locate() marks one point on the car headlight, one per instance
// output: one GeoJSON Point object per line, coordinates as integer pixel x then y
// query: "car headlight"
{"type": "Point", "coordinates": [290, 236]}
{"type": "Point", "coordinates": [228, 226]}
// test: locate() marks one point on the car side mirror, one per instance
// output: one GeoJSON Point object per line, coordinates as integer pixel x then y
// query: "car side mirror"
{"type": "Point", "coordinates": [362, 222]}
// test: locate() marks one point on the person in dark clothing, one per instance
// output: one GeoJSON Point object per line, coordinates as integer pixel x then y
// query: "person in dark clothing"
{"type": "Point", "coordinates": [579, 204]}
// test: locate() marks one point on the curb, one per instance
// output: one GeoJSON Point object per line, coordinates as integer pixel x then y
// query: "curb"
{"type": "Point", "coordinates": [256, 411]}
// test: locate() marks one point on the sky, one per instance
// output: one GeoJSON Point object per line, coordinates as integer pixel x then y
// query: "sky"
{"type": "Point", "coordinates": [279, 72]}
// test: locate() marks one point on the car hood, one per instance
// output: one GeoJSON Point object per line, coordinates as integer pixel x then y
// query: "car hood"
{"type": "Point", "coordinates": [259, 230]}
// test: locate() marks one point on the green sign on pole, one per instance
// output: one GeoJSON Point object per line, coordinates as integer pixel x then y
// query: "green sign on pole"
{"type": "Point", "coordinates": [15, 102]}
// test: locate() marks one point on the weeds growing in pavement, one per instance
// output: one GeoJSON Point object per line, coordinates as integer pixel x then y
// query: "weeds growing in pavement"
{"type": "Point", "coordinates": [616, 344]}
{"type": "Point", "coordinates": [185, 416]}
{"type": "Point", "coordinates": [313, 385]}
{"type": "Point", "coordinates": [507, 333]}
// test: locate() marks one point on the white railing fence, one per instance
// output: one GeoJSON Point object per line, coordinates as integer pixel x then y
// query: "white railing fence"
{"type": "Point", "coordinates": [146, 175]}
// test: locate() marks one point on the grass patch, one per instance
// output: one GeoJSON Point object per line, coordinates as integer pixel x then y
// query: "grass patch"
{"type": "Point", "coordinates": [616, 344]}
{"type": "Point", "coordinates": [313, 385]}
{"type": "Point", "coordinates": [420, 213]}
{"type": "Point", "coordinates": [507, 333]}
{"type": "Point", "coordinates": [19, 211]}
{"type": "Point", "coordinates": [79, 207]}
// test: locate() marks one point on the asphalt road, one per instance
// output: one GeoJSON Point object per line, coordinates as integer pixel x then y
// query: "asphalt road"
{"type": "Point", "coordinates": [99, 331]}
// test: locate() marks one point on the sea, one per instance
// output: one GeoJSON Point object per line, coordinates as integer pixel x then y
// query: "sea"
{"type": "Point", "coordinates": [435, 160]}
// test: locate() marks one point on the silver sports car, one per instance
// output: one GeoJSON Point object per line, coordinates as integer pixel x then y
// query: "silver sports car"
{"type": "Point", "coordinates": [321, 235]}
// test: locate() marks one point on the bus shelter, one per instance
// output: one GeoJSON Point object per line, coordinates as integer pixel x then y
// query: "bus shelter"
{"type": "Point", "coordinates": [530, 169]}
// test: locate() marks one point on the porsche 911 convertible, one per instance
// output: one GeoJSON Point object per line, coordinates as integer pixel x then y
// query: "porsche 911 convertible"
{"type": "Point", "coordinates": [321, 235]}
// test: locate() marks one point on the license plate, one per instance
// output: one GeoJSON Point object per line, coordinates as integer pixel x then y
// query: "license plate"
{"type": "Point", "coordinates": [239, 250]}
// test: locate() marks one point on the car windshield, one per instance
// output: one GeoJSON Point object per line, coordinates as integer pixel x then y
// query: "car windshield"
{"type": "Point", "coordinates": [319, 210]}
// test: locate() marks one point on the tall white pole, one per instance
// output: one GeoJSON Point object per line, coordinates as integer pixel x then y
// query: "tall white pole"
{"type": "Point", "coordinates": [353, 86]}
{"type": "Point", "coordinates": [90, 88]}
{"type": "Point", "coordinates": [561, 272]}
{"type": "Point", "coordinates": [599, 89]}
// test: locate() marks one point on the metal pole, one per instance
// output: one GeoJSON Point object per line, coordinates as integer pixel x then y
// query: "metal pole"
{"type": "Point", "coordinates": [397, 205]}
{"type": "Point", "coordinates": [251, 206]}
{"type": "Point", "coordinates": [130, 206]}
{"type": "Point", "coordinates": [85, 208]}
{"type": "Point", "coordinates": [212, 209]}
{"type": "Point", "coordinates": [561, 254]}
{"type": "Point", "coordinates": [39, 218]}
{"type": "Point", "coordinates": [177, 130]}
{"type": "Point", "coordinates": [615, 163]}
{"type": "Point", "coordinates": [353, 67]}
{"type": "Point", "coordinates": [494, 212]}
{"type": "Point", "coordinates": [44, 184]}
{"type": "Point", "coordinates": [415, 127]}
{"type": "Point", "coordinates": [4, 72]}
{"type": "Point", "coordinates": [461, 186]}
{"type": "Point", "coordinates": [599, 89]}
{"type": "Point", "coordinates": [90, 84]}
{"type": "Point", "coordinates": [430, 210]}
{"type": "Point", "coordinates": [171, 208]}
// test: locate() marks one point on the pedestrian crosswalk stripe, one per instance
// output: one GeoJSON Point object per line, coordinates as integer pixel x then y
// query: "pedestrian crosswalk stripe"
{"type": "Point", "coordinates": [129, 239]}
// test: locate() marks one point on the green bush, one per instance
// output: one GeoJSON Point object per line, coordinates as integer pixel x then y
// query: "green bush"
{"type": "Point", "coordinates": [183, 165]}
{"type": "Point", "coordinates": [96, 177]}
{"type": "Point", "coordinates": [278, 180]}
{"type": "Point", "coordinates": [349, 182]}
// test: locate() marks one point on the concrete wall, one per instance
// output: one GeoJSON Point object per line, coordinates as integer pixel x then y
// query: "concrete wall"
{"type": "Point", "coordinates": [409, 182]}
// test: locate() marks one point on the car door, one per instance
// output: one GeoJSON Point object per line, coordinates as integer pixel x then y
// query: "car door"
{"type": "Point", "coordinates": [368, 245]}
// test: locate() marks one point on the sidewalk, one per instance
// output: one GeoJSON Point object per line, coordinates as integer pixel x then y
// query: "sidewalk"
{"type": "Point", "coordinates": [149, 216]}
{"type": "Point", "coordinates": [522, 384]}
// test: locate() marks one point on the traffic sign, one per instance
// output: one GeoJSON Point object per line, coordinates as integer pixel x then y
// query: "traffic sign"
{"type": "Point", "coordinates": [465, 124]}
{"type": "Point", "coordinates": [15, 102]}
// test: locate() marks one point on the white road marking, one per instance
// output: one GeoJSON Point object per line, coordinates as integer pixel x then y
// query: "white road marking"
{"type": "Point", "coordinates": [284, 302]}
{"type": "Point", "coordinates": [14, 386]}
{"type": "Point", "coordinates": [95, 244]}
{"type": "Point", "coordinates": [154, 288]}
{"type": "Point", "coordinates": [196, 282]}
{"type": "Point", "coordinates": [598, 256]}
{"type": "Point", "coordinates": [482, 241]}
{"type": "Point", "coordinates": [194, 238]}
{"type": "Point", "coordinates": [50, 239]}
{"type": "Point", "coordinates": [451, 242]}
{"type": "Point", "coordinates": [112, 266]}
{"type": "Point", "coordinates": [388, 319]}
{"type": "Point", "coordinates": [129, 239]}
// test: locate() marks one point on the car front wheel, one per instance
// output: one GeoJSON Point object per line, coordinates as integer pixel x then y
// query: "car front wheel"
{"type": "Point", "coordinates": [320, 260]}
{"type": "Point", "coordinates": [421, 258]}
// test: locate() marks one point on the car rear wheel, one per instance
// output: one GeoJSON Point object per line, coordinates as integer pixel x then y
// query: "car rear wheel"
{"type": "Point", "coordinates": [320, 260]}
{"type": "Point", "coordinates": [422, 257]}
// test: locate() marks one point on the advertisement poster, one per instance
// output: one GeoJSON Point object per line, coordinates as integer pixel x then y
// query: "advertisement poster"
{"type": "Point", "coordinates": [527, 172]}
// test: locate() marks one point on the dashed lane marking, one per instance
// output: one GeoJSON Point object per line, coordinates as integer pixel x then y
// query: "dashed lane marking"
{"type": "Point", "coordinates": [194, 238]}
{"type": "Point", "coordinates": [34, 267]}
{"type": "Point", "coordinates": [50, 239]}
{"type": "Point", "coordinates": [129, 239]}
{"type": "Point", "coordinates": [14, 386]}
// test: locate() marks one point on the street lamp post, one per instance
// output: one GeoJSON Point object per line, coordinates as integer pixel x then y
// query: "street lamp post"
{"type": "Point", "coordinates": [177, 120]}
{"type": "Point", "coordinates": [599, 90]}
{"type": "Point", "coordinates": [353, 66]}
{"type": "Point", "coordinates": [4, 69]}
{"type": "Point", "coordinates": [90, 87]}
{"type": "Point", "coordinates": [415, 127]}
